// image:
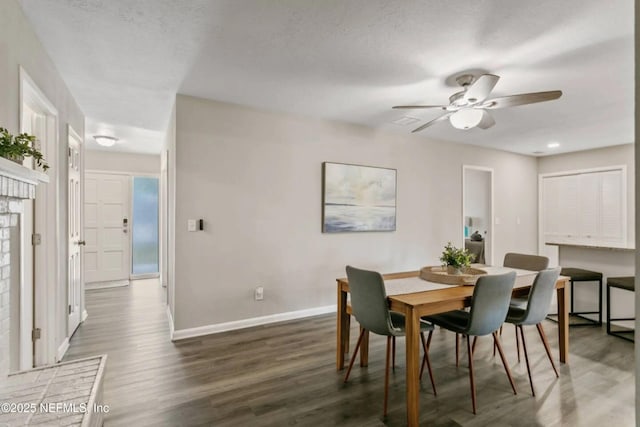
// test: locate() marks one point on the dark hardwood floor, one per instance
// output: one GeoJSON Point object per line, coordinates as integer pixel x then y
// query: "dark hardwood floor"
{"type": "Point", "coordinates": [284, 374]}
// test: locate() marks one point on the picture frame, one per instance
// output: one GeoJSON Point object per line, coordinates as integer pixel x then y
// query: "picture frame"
{"type": "Point", "coordinates": [358, 198]}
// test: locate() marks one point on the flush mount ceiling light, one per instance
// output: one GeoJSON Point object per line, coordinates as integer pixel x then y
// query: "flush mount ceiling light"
{"type": "Point", "coordinates": [105, 140]}
{"type": "Point", "coordinates": [553, 145]}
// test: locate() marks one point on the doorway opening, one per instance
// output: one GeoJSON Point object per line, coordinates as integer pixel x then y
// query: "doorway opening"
{"type": "Point", "coordinates": [477, 212]}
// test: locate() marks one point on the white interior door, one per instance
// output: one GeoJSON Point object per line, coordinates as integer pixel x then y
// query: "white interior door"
{"type": "Point", "coordinates": [74, 288]}
{"type": "Point", "coordinates": [40, 261]}
{"type": "Point", "coordinates": [106, 227]}
{"type": "Point", "coordinates": [34, 124]}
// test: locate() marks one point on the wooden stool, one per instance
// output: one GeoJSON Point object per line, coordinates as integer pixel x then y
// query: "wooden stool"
{"type": "Point", "coordinates": [628, 284]}
{"type": "Point", "coordinates": [581, 275]}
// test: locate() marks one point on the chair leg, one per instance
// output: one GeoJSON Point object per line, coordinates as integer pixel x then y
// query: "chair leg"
{"type": "Point", "coordinates": [543, 337]}
{"type": "Point", "coordinates": [494, 344]}
{"type": "Point", "coordinates": [393, 363]}
{"type": "Point", "coordinates": [426, 349]}
{"type": "Point", "coordinates": [355, 353]}
{"type": "Point", "coordinates": [517, 343]}
{"type": "Point", "coordinates": [346, 333]}
{"type": "Point", "coordinates": [504, 361]}
{"type": "Point", "coordinates": [427, 361]}
{"type": "Point", "coordinates": [364, 349]}
{"type": "Point", "coordinates": [457, 348]}
{"type": "Point", "coordinates": [526, 358]}
{"type": "Point", "coordinates": [386, 377]}
{"type": "Point", "coordinates": [473, 345]}
{"type": "Point", "coordinates": [471, 379]}
{"type": "Point", "coordinates": [424, 358]}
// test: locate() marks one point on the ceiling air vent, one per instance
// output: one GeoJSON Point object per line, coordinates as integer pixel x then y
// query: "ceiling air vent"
{"type": "Point", "coordinates": [405, 120]}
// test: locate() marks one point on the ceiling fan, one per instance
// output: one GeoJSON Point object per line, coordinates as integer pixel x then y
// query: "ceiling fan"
{"type": "Point", "coordinates": [468, 108]}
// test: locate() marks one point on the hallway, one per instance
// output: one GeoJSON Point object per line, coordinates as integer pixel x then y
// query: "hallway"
{"type": "Point", "coordinates": [130, 325]}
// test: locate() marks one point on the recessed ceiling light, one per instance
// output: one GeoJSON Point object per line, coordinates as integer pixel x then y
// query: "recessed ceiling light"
{"type": "Point", "coordinates": [553, 145]}
{"type": "Point", "coordinates": [105, 140]}
{"type": "Point", "coordinates": [405, 120]}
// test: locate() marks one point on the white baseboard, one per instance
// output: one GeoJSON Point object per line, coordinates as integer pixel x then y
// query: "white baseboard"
{"type": "Point", "coordinates": [171, 325]}
{"type": "Point", "coordinates": [84, 315]}
{"type": "Point", "coordinates": [105, 285]}
{"type": "Point", "coordinates": [62, 350]}
{"type": "Point", "coordinates": [181, 334]}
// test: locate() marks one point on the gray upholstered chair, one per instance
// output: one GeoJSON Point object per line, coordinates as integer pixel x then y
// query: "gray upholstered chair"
{"type": "Point", "coordinates": [534, 312]}
{"type": "Point", "coordinates": [523, 262]}
{"type": "Point", "coordinates": [489, 307]}
{"type": "Point", "coordinates": [370, 307]}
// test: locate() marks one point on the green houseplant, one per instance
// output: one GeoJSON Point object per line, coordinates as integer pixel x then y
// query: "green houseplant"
{"type": "Point", "coordinates": [17, 147]}
{"type": "Point", "coordinates": [456, 260]}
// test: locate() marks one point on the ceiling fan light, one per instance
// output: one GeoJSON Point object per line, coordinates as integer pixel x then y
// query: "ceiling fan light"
{"type": "Point", "coordinates": [105, 140]}
{"type": "Point", "coordinates": [466, 118]}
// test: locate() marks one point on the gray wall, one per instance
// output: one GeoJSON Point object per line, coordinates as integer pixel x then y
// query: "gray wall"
{"type": "Point", "coordinates": [255, 178]}
{"type": "Point", "coordinates": [19, 46]}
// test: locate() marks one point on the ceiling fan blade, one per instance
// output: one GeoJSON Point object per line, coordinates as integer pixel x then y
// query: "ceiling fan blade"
{"type": "Point", "coordinates": [436, 120]}
{"type": "Point", "coordinates": [420, 106]}
{"type": "Point", "coordinates": [481, 88]}
{"type": "Point", "coordinates": [487, 120]}
{"type": "Point", "coordinates": [522, 99]}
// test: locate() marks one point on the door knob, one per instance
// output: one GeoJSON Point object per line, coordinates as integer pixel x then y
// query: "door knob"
{"type": "Point", "coordinates": [81, 243]}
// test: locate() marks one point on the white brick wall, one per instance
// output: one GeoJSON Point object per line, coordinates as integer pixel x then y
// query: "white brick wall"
{"type": "Point", "coordinates": [11, 193]}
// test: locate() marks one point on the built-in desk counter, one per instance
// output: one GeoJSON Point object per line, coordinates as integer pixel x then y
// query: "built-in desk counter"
{"type": "Point", "coordinates": [610, 248]}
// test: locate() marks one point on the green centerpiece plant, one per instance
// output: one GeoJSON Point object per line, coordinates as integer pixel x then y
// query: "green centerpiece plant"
{"type": "Point", "coordinates": [456, 260]}
{"type": "Point", "coordinates": [17, 147]}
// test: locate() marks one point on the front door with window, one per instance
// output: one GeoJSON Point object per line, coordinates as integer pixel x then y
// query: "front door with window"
{"type": "Point", "coordinates": [106, 227]}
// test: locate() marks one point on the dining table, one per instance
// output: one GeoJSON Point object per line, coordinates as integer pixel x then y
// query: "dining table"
{"type": "Point", "coordinates": [414, 297]}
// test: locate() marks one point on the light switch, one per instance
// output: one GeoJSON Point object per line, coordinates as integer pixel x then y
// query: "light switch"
{"type": "Point", "coordinates": [191, 225]}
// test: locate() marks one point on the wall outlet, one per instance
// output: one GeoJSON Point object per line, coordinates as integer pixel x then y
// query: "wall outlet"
{"type": "Point", "coordinates": [258, 294]}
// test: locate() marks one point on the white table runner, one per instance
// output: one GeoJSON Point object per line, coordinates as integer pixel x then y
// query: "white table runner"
{"type": "Point", "coordinates": [410, 285]}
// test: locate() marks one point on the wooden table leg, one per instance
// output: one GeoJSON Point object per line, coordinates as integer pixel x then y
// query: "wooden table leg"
{"type": "Point", "coordinates": [563, 324]}
{"type": "Point", "coordinates": [342, 329]}
{"type": "Point", "coordinates": [413, 365]}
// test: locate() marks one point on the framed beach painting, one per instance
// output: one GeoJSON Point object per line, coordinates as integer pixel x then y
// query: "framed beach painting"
{"type": "Point", "coordinates": [358, 198]}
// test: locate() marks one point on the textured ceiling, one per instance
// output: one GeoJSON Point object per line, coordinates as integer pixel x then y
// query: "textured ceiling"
{"type": "Point", "coordinates": [348, 60]}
